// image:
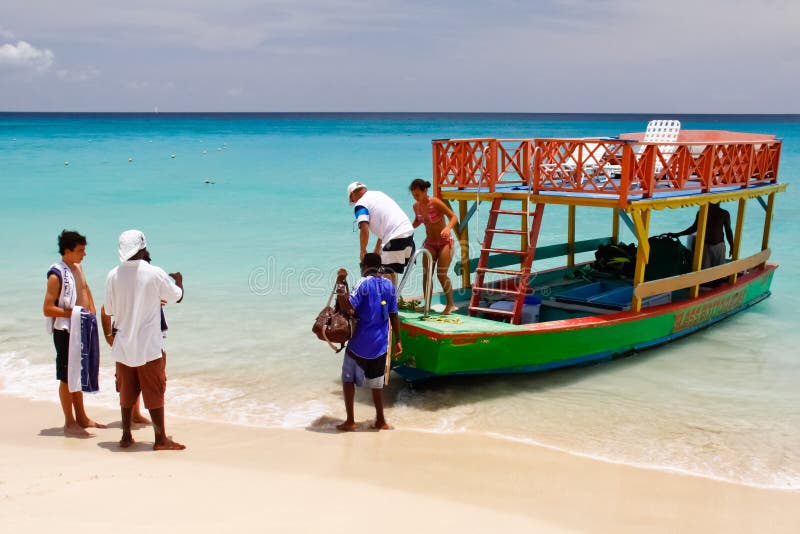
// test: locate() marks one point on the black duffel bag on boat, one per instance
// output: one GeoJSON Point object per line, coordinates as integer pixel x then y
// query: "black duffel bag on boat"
{"type": "Point", "coordinates": [618, 259]}
{"type": "Point", "coordinates": [668, 257]}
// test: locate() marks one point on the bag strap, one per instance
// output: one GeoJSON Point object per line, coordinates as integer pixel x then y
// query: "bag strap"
{"type": "Point", "coordinates": [333, 292]}
{"type": "Point", "coordinates": [328, 341]}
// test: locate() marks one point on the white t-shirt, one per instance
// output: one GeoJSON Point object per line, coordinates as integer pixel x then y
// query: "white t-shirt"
{"type": "Point", "coordinates": [134, 291]}
{"type": "Point", "coordinates": [386, 219]}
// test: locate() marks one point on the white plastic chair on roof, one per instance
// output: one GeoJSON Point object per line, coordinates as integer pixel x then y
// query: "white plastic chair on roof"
{"type": "Point", "coordinates": [662, 131]}
{"type": "Point", "coordinates": [658, 131]}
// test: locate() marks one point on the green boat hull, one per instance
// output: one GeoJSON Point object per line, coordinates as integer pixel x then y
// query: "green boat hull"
{"type": "Point", "coordinates": [435, 347]}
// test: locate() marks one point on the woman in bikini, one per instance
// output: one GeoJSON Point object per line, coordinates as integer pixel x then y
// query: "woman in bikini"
{"type": "Point", "coordinates": [431, 212]}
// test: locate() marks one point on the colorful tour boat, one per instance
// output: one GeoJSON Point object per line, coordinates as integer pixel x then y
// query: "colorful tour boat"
{"type": "Point", "coordinates": [517, 317]}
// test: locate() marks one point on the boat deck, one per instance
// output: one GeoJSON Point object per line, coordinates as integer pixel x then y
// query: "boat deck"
{"type": "Point", "coordinates": [455, 323]}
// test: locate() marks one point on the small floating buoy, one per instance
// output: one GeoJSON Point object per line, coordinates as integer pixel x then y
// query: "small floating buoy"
{"type": "Point", "coordinates": [219, 149]}
{"type": "Point", "coordinates": [172, 155]}
{"type": "Point", "coordinates": [66, 163]}
{"type": "Point", "coordinates": [205, 151]}
{"type": "Point", "coordinates": [207, 181]}
{"type": "Point", "coordinates": [130, 160]}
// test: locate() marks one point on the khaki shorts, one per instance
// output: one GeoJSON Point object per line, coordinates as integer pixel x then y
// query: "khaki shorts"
{"type": "Point", "coordinates": [149, 379]}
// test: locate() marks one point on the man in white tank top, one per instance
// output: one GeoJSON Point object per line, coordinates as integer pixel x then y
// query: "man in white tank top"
{"type": "Point", "coordinates": [67, 288]}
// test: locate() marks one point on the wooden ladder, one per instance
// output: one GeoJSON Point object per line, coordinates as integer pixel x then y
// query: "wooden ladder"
{"type": "Point", "coordinates": [526, 261]}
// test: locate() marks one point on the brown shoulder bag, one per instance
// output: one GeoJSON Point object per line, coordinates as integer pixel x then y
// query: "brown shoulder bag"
{"type": "Point", "coordinates": [332, 324]}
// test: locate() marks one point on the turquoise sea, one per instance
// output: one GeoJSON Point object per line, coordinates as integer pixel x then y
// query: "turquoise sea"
{"type": "Point", "coordinates": [258, 248]}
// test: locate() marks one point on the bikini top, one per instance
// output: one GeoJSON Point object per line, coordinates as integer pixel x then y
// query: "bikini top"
{"type": "Point", "coordinates": [429, 216]}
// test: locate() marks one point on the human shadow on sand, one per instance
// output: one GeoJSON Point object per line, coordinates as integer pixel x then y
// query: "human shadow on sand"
{"type": "Point", "coordinates": [134, 426]}
{"type": "Point", "coordinates": [325, 424]}
{"type": "Point", "coordinates": [58, 432]}
{"type": "Point", "coordinates": [139, 446]}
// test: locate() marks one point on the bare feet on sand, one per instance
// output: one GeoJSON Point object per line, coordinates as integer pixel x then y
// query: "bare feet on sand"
{"type": "Point", "coordinates": [347, 426]}
{"type": "Point", "coordinates": [92, 424]}
{"type": "Point", "coordinates": [381, 425]}
{"type": "Point", "coordinates": [168, 445]}
{"type": "Point", "coordinates": [126, 441]}
{"type": "Point", "coordinates": [75, 430]}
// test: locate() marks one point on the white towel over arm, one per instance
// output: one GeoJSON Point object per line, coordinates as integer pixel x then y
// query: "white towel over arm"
{"type": "Point", "coordinates": [74, 359]}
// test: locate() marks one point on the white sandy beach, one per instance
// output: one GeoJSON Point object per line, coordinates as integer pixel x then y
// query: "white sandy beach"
{"type": "Point", "coordinates": [244, 479]}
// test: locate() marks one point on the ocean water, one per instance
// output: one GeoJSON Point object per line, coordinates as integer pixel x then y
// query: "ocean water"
{"type": "Point", "coordinates": [259, 246]}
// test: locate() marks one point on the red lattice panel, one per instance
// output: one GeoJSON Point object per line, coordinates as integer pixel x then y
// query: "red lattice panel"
{"type": "Point", "coordinates": [765, 163]}
{"type": "Point", "coordinates": [614, 167]}
{"type": "Point", "coordinates": [514, 159]}
{"type": "Point", "coordinates": [462, 163]}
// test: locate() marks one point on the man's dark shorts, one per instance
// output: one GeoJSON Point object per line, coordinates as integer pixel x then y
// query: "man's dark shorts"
{"type": "Point", "coordinates": [61, 341]}
{"type": "Point", "coordinates": [396, 253]}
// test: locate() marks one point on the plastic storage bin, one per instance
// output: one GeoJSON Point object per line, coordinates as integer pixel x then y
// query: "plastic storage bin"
{"type": "Point", "coordinates": [530, 309]}
{"type": "Point", "coordinates": [586, 292]}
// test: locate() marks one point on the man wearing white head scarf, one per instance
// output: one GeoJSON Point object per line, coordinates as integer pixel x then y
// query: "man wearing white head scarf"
{"type": "Point", "coordinates": [134, 292]}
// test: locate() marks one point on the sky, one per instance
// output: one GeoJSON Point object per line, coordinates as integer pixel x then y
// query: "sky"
{"type": "Point", "coordinates": [534, 56]}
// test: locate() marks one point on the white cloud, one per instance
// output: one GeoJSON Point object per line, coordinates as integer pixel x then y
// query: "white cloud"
{"type": "Point", "coordinates": [6, 35]}
{"type": "Point", "coordinates": [24, 56]}
{"type": "Point", "coordinates": [83, 75]}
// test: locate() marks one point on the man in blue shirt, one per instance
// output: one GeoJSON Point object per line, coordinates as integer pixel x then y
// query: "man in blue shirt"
{"type": "Point", "coordinates": [374, 304]}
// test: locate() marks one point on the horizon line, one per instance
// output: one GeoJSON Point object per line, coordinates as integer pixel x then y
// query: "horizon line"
{"type": "Point", "coordinates": [631, 113]}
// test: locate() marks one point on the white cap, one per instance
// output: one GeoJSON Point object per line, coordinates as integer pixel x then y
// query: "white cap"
{"type": "Point", "coordinates": [352, 187]}
{"type": "Point", "coordinates": [131, 242]}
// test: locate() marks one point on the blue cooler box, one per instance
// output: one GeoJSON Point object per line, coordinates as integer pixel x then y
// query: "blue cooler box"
{"type": "Point", "coordinates": [530, 309]}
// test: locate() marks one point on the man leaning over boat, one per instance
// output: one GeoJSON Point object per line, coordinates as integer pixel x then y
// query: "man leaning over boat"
{"type": "Point", "coordinates": [376, 212]}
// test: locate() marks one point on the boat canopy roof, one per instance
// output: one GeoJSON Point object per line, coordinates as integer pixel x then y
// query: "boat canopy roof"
{"type": "Point", "coordinates": [624, 172]}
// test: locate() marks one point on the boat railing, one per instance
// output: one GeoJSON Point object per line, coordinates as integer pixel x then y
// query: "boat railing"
{"type": "Point", "coordinates": [696, 278]}
{"type": "Point", "coordinates": [616, 167]}
{"type": "Point", "coordinates": [427, 287]}
{"type": "Point", "coordinates": [484, 162]}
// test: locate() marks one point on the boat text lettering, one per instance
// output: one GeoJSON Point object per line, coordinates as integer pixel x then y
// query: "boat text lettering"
{"type": "Point", "coordinates": [708, 310]}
